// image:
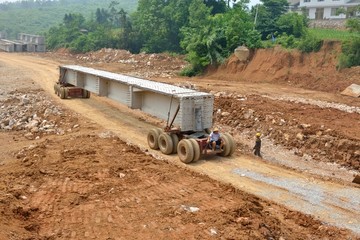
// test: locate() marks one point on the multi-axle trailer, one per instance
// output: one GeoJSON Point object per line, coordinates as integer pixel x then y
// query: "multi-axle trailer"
{"type": "Point", "coordinates": [189, 113]}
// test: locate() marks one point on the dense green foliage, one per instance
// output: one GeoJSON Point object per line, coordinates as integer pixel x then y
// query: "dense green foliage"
{"type": "Point", "coordinates": [331, 34]}
{"type": "Point", "coordinates": [37, 17]}
{"type": "Point", "coordinates": [109, 28]}
{"type": "Point", "coordinates": [209, 39]}
{"type": "Point", "coordinates": [310, 43]}
{"type": "Point", "coordinates": [292, 24]}
{"type": "Point", "coordinates": [267, 14]}
{"type": "Point", "coordinates": [351, 48]}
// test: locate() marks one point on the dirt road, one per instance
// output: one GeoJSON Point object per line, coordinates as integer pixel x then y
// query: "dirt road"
{"type": "Point", "coordinates": [335, 203]}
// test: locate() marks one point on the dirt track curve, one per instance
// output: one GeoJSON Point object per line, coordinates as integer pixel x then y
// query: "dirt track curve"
{"type": "Point", "coordinates": [335, 203]}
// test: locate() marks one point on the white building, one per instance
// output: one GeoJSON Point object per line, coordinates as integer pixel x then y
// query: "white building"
{"type": "Point", "coordinates": [328, 9]}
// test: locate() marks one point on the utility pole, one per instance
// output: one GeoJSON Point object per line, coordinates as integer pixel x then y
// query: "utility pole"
{"type": "Point", "coordinates": [256, 14]}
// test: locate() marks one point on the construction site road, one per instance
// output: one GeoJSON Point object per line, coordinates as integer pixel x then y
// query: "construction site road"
{"type": "Point", "coordinates": [332, 202]}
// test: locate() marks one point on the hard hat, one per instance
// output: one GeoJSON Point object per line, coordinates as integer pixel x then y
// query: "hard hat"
{"type": "Point", "coordinates": [258, 134]}
{"type": "Point", "coordinates": [216, 129]}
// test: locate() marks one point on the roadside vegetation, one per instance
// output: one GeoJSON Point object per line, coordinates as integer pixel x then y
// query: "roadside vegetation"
{"type": "Point", "coordinates": [206, 31]}
{"type": "Point", "coordinates": [351, 47]}
{"type": "Point", "coordinates": [332, 34]}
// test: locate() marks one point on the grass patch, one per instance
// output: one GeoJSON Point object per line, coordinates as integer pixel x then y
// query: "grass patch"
{"type": "Point", "coordinates": [332, 34]}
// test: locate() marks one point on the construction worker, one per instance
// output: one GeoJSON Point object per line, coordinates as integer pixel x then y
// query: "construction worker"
{"type": "Point", "coordinates": [215, 139]}
{"type": "Point", "coordinates": [257, 146]}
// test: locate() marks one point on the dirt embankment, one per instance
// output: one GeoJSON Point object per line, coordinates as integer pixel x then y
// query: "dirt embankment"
{"type": "Point", "coordinates": [325, 135]}
{"type": "Point", "coordinates": [315, 71]}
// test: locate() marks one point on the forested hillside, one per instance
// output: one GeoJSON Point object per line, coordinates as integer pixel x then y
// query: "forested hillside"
{"type": "Point", "coordinates": [37, 17]}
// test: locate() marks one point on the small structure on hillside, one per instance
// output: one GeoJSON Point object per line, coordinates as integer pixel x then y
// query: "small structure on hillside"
{"type": "Point", "coordinates": [353, 90]}
{"type": "Point", "coordinates": [24, 43]}
{"type": "Point", "coordinates": [3, 35]}
{"type": "Point", "coordinates": [242, 53]}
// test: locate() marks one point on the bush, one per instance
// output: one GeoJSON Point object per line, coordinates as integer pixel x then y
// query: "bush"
{"type": "Point", "coordinates": [292, 24]}
{"type": "Point", "coordinates": [350, 55]}
{"type": "Point", "coordinates": [287, 41]}
{"type": "Point", "coordinates": [189, 72]}
{"type": "Point", "coordinates": [309, 43]}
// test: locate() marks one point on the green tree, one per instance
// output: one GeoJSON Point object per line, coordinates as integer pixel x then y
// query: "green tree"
{"type": "Point", "coordinates": [217, 6]}
{"type": "Point", "coordinates": [238, 27]}
{"type": "Point", "coordinates": [194, 36]}
{"type": "Point", "coordinates": [267, 15]}
{"type": "Point", "coordinates": [102, 16]}
{"type": "Point", "coordinates": [67, 32]}
{"type": "Point", "coordinates": [350, 55]}
{"type": "Point", "coordinates": [209, 39]}
{"type": "Point", "coordinates": [292, 24]}
{"type": "Point", "coordinates": [177, 13]}
{"type": "Point", "coordinates": [149, 21]}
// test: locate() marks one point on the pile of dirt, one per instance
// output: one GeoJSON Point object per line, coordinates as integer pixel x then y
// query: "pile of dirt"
{"type": "Point", "coordinates": [141, 65]}
{"type": "Point", "coordinates": [295, 126]}
{"type": "Point", "coordinates": [315, 71]}
{"type": "Point", "coordinates": [34, 114]}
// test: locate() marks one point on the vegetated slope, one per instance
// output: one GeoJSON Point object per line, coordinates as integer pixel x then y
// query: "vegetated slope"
{"type": "Point", "coordinates": [316, 71]}
{"type": "Point", "coordinates": [37, 17]}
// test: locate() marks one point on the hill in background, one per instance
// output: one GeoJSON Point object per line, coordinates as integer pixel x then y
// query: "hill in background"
{"type": "Point", "coordinates": [37, 17]}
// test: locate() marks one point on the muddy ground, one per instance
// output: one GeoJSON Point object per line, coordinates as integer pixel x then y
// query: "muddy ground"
{"type": "Point", "coordinates": [64, 176]}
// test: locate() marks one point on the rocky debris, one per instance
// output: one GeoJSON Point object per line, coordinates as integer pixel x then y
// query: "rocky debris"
{"type": "Point", "coordinates": [321, 104]}
{"type": "Point", "coordinates": [314, 140]}
{"type": "Point", "coordinates": [141, 65]}
{"type": "Point", "coordinates": [33, 113]}
{"type": "Point", "coordinates": [187, 85]}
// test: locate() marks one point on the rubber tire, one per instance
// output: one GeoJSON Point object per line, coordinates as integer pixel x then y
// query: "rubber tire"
{"type": "Point", "coordinates": [62, 92]}
{"type": "Point", "coordinates": [196, 148]}
{"type": "Point", "coordinates": [185, 151]}
{"type": "Point", "coordinates": [227, 147]}
{"type": "Point", "coordinates": [152, 138]}
{"type": "Point", "coordinates": [56, 88]}
{"type": "Point", "coordinates": [175, 140]}
{"type": "Point", "coordinates": [207, 130]}
{"type": "Point", "coordinates": [86, 94]}
{"type": "Point", "coordinates": [232, 143]}
{"type": "Point", "coordinates": [165, 143]}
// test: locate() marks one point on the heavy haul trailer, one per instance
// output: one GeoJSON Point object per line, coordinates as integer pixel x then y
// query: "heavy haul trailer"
{"type": "Point", "coordinates": [189, 113]}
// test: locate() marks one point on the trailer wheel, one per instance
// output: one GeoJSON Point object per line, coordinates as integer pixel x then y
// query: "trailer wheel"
{"type": "Point", "coordinates": [165, 143]}
{"type": "Point", "coordinates": [226, 149]}
{"type": "Point", "coordinates": [86, 93]}
{"type": "Point", "coordinates": [66, 92]}
{"type": "Point", "coordinates": [152, 138]}
{"type": "Point", "coordinates": [56, 88]}
{"type": "Point", "coordinates": [232, 144]}
{"type": "Point", "coordinates": [185, 151]}
{"type": "Point", "coordinates": [62, 92]}
{"type": "Point", "coordinates": [196, 148]}
{"type": "Point", "coordinates": [175, 140]}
